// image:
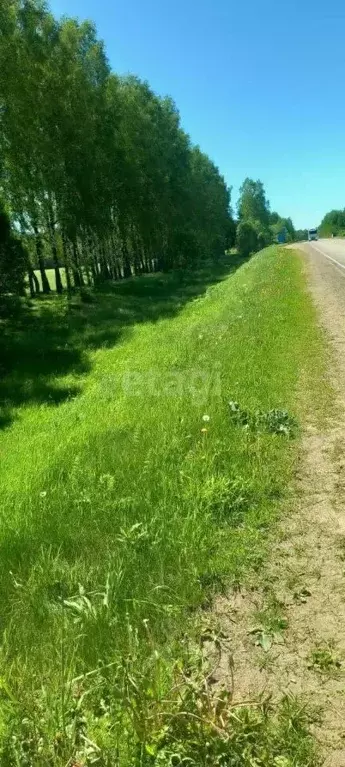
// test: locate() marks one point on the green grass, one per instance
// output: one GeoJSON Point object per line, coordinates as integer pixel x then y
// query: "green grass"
{"type": "Point", "coordinates": [325, 659]}
{"type": "Point", "coordinates": [129, 495]}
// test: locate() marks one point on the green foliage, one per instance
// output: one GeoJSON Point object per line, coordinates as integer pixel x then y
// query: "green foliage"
{"type": "Point", "coordinates": [13, 258]}
{"type": "Point", "coordinates": [257, 226]}
{"type": "Point", "coordinates": [291, 232]}
{"type": "Point", "coordinates": [301, 234]}
{"type": "Point", "coordinates": [275, 421]}
{"type": "Point", "coordinates": [280, 225]}
{"type": "Point", "coordinates": [231, 234]}
{"type": "Point", "coordinates": [333, 223]}
{"type": "Point", "coordinates": [253, 204]}
{"type": "Point", "coordinates": [274, 218]}
{"type": "Point", "coordinates": [97, 171]}
{"type": "Point", "coordinates": [325, 659]}
{"type": "Point", "coordinates": [128, 495]}
{"type": "Point", "coordinates": [246, 238]}
{"type": "Point", "coordinates": [217, 733]}
{"type": "Point", "coordinates": [264, 235]}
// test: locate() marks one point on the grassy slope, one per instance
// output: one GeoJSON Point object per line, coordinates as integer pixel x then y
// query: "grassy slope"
{"type": "Point", "coordinates": [122, 508]}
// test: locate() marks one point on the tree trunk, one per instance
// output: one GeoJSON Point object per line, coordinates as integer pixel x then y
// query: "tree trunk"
{"type": "Point", "coordinates": [68, 279]}
{"type": "Point", "coordinates": [94, 272]}
{"type": "Point", "coordinates": [66, 264]}
{"type": "Point", "coordinates": [31, 285]}
{"type": "Point", "coordinates": [104, 264]}
{"type": "Point", "coordinates": [85, 257]}
{"type": "Point", "coordinates": [111, 259]}
{"type": "Point", "coordinates": [115, 271]}
{"type": "Point", "coordinates": [52, 236]}
{"type": "Point", "coordinates": [76, 277]}
{"type": "Point", "coordinates": [115, 261]}
{"type": "Point", "coordinates": [44, 278]}
{"type": "Point", "coordinates": [126, 264]}
{"type": "Point", "coordinates": [58, 281]}
{"type": "Point", "coordinates": [77, 274]}
{"type": "Point", "coordinates": [137, 264]}
{"type": "Point", "coordinates": [34, 285]}
{"type": "Point", "coordinates": [127, 271]}
{"type": "Point", "coordinates": [40, 259]}
{"type": "Point", "coordinates": [95, 266]}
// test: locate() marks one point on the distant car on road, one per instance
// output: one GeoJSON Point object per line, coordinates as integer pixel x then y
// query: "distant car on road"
{"type": "Point", "coordinates": [312, 234]}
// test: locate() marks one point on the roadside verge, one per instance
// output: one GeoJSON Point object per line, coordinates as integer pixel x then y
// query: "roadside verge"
{"type": "Point", "coordinates": [142, 499]}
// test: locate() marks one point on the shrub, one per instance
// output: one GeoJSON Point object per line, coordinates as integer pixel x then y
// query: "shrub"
{"type": "Point", "coordinates": [13, 258]}
{"type": "Point", "coordinates": [246, 238]}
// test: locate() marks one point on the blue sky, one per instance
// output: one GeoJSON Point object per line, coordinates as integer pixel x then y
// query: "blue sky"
{"type": "Point", "coordinates": [259, 85]}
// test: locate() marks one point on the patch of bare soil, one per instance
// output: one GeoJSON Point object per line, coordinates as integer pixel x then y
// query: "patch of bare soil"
{"type": "Point", "coordinates": [286, 633]}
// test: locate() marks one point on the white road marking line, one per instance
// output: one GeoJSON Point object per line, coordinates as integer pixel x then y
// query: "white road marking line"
{"type": "Point", "coordinates": [342, 266]}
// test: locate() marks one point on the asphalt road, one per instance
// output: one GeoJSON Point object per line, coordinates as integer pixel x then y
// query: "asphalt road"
{"type": "Point", "coordinates": [332, 250]}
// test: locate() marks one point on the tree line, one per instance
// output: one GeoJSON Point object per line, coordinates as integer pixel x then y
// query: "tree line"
{"type": "Point", "coordinates": [333, 223]}
{"type": "Point", "coordinates": [96, 173]}
{"type": "Point", "coordinates": [257, 225]}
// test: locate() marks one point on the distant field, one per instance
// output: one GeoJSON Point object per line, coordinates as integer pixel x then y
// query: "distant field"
{"type": "Point", "coordinates": [130, 493]}
{"type": "Point", "coordinates": [51, 277]}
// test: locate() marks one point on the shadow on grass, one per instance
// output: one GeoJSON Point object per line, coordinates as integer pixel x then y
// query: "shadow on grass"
{"type": "Point", "coordinates": [51, 337]}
